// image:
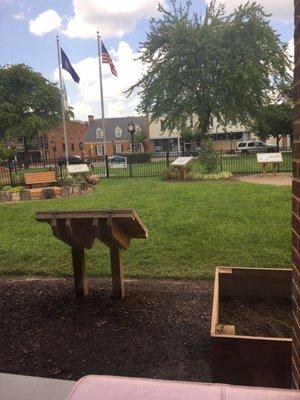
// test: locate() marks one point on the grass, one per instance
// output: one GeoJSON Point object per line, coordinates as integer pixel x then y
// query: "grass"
{"type": "Point", "coordinates": [193, 227]}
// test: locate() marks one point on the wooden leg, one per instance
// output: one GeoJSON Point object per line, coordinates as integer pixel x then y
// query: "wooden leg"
{"type": "Point", "coordinates": [79, 271]}
{"type": "Point", "coordinates": [116, 260]}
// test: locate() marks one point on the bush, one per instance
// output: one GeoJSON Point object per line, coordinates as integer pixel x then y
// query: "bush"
{"type": "Point", "coordinates": [178, 173]}
{"type": "Point", "coordinates": [16, 189]}
{"type": "Point", "coordinates": [137, 158]}
{"type": "Point", "coordinates": [208, 156]}
{"type": "Point", "coordinates": [213, 177]}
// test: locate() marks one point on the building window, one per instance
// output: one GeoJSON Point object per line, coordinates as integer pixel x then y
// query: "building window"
{"type": "Point", "coordinates": [118, 132]}
{"type": "Point", "coordinates": [138, 128]}
{"type": "Point", "coordinates": [119, 148]}
{"type": "Point", "coordinates": [99, 150]}
{"type": "Point", "coordinates": [72, 147]}
{"type": "Point", "coordinates": [99, 133]}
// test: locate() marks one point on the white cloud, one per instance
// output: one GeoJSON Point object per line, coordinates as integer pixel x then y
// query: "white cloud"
{"type": "Point", "coordinates": [82, 110]}
{"type": "Point", "coordinates": [116, 103]}
{"type": "Point", "coordinates": [113, 18]}
{"type": "Point", "coordinates": [45, 22]}
{"type": "Point", "coordinates": [281, 10]}
{"type": "Point", "coordinates": [19, 16]}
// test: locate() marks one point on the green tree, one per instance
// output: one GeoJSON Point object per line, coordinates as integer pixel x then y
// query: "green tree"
{"type": "Point", "coordinates": [5, 153]}
{"type": "Point", "coordinates": [218, 65]}
{"type": "Point", "coordinates": [139, 137]}
{"type": "Point", "coordinates": [29, 103]}
{"type": "Point", "coordinates": [276, 118]}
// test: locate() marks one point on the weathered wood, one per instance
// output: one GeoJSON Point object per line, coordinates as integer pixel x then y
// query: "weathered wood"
{"type": "Point", "coordinates": [79, 270]}
{"type": "Point", "coordinates": [35, 178]}
{"type": "Point", "coordinates": [117, 234]}
{"type": "Point", "coordinates": [116, 260]}
{"type": "Point", "coordinates": [79, 229]}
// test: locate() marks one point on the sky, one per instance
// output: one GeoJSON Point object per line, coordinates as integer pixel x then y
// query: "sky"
{"type": "Point", "coordinates": [28, 30]}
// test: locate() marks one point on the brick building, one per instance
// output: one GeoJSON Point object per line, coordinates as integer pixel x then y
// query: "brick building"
{"type": "Point", "coordinates": [118, 139]}
{"type": "Point", "coordinates": [52, 142]}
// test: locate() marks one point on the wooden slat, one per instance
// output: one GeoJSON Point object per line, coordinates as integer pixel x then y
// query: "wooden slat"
{"type": "Point", "coordinates": [40, 177]}
{"type": "Point", "coordinates": [116, 261]}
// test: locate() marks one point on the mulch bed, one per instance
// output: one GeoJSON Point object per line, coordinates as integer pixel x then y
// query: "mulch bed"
{"type": "Point", "coordinates": [258, 317]}
{"type": "Point", "coordinates": [160, 330]}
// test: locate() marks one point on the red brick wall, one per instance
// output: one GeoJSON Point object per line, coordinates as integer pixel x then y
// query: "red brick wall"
{"type": "Point", "coordinates": [296, 208]}
{"type": "Point", "coordinates": [75, 135]}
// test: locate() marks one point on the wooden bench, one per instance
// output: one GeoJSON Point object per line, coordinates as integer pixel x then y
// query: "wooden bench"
{"type": "Point", "coordinates": [41, 178]}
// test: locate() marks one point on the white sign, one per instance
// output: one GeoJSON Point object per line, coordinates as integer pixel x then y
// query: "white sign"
{"type": "Point", "coordinates": [118, 162]}
{"type": "Point", "coordinates": [77, 168]}
{"type": "Point", "coordinates": [182, 161]}
{"type": "Point", "coordinates": [264, 158]}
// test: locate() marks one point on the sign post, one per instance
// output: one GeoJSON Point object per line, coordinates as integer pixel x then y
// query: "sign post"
{"type": "Point", "coordinates": [273, 159]}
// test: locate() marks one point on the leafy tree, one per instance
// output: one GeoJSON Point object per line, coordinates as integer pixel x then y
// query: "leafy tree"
{"type": "Point", "coordinates": [5, 153]}
{"type": "Point", "coordinates": [139, 137]}
{"type": "Point", "coordinates": [218, 65]}
{"type": "Point", "coordinates": [29, 103]}
{"type": "Point", "coordinates": [276, 118]}
{"type": "Point", "coordinates": [208, 156]}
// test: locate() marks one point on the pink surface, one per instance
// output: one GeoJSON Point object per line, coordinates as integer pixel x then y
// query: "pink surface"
{"type": "Point", "coordinates": [95, 387]}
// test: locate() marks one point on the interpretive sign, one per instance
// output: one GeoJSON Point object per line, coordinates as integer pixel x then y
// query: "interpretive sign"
{"type": "Point", "coordinates": [264, 158]}
{"type": "Point", "coordinates": [181, 161]}
{"type": "Point", "coordinates": [77, 168]}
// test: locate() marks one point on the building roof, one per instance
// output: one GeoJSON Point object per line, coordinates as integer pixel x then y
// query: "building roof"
{"type": "Point", "coordinates": [111, 124]}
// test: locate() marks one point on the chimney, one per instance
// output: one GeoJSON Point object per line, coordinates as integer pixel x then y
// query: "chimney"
{"type": "Point", "coordinates": [91, 119]}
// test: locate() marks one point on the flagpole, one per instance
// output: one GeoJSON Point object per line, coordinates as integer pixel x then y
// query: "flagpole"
{"type": "Point", "coordinates": [62, 101]}
{"type": "Point", "coordinates": [101, 90]}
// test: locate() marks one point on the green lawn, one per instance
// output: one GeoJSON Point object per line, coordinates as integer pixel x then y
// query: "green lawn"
{"type": "Point", "coordinates": [193, 227]}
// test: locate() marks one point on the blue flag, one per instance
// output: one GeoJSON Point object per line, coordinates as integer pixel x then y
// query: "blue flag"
{"type": "Point", "coordinates": [65, 63]}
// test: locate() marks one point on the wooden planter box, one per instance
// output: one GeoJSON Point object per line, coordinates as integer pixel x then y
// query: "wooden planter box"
{"type": "Point", "coordinates": [250, 360]}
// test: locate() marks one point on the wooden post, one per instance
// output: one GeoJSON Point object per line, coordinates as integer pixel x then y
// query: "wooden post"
{"type": "Point", "coordinates": [116, 261]}
{"type": "Point", "coordinates": [79, 270]}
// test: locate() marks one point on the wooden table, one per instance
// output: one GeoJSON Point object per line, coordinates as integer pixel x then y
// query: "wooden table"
{"type": "Point", "coordinates": [79, 229]}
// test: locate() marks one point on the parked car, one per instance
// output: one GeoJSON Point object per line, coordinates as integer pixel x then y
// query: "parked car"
{"type": "Point", "coordinates": [73, 159]}
{"type": "Point", "coordinates": [254, 146]}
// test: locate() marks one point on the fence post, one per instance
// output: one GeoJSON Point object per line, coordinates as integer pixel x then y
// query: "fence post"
{"type": "Point", "coordinates": [10, 175]}
{"type": "Point", "coordinates": [130, 169]}
{"type": "Point", "coordinates": [168, 158]}
{"type": "Point", "coordinates": [60, 171]}
{"type": "Point", "coordinates": [221, 161]}
{"type": "Point", "coordinates": [106, 166]}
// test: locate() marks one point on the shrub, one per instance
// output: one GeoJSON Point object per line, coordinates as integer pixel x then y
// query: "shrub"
{"type": "Point", "coordinates": [16, 189]}
{"type": "Point", "coordinates": [213, 177]}
{"type": "Point", "coordinates": [177, 173]}
{"type": "Point", "coordinates": [137, 158]}
{"type": "Point", "coordinates": [208, 156]}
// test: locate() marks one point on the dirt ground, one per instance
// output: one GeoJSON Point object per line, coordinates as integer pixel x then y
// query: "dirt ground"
{"type": "Point", "coordinates": [258, 317]}
{"type": "Point", "coordinates": [160, 330]}
{"type": "Point", "coordinates": [280, 179]}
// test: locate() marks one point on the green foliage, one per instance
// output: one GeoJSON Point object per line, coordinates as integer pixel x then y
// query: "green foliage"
{"type": "Point", "coordinates": [213, 177]}
{"type": "Point", "coordinates": [5, 153]}
{"type": "Point", "coordinates": [137, 158]}
{"type": "Point", "coordinates": [29, 103]}
{"type": "Point", "coordinates": [139, 137]}
{"type": "Point", "coordinates": [178, 173]}
{"type": "Point", "coordinates": [208, 156]}
{"type": "Point", "coordinates": [215, 65]}
{"type": "Point", "coordinates": [276, 118]}
{"type": "Point", "coordinates": [15, 189]}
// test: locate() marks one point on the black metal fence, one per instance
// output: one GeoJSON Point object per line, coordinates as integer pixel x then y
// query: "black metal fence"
{"type": "Point", "coordinates": [12, 174]}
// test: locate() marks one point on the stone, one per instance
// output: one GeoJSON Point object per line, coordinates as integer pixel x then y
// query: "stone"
{"type": "Point", "coordinates": [65, 191]}
{"type": "Point", "coordinates": [5, 196]}
{"type": "Point", "coordinates": [47, 193]}
{"type": "Point", "coordinates": [16, 196]}
{"type": "Point", "coordinates": [25, 195]}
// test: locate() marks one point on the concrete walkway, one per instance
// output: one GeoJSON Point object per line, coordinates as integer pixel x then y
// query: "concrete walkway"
{"type": "Point", "coordinates": [19, 387]}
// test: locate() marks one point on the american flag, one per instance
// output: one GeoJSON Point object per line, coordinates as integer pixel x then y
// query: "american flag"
{"type": "Point", "coordinates": [107, 60]}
